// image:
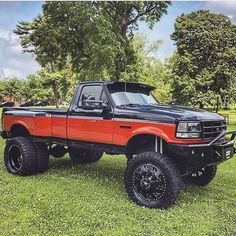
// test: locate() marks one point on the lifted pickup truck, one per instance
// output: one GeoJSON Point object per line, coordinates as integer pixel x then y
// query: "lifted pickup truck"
{"type": "Point", "coordinates": [165, 145]}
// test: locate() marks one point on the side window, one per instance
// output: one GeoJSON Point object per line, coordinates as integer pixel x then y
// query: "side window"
{"type": "Point", "coordinates": [90, 93]}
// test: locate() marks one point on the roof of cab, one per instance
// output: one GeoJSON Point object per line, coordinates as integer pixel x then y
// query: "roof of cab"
{"type": "Point", "coordinates": [149, 87]}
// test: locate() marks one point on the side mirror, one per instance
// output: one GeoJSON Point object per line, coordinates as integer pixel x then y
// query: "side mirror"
{"type": "Point", "coordinates": [94, 104]}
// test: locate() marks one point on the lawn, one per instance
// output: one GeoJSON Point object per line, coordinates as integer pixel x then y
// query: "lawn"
{"type": "Point", "coordinates": [90, 200]}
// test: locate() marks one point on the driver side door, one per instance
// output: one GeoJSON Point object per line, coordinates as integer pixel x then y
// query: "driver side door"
{"type": "Point", "coordinates": [91, 125]}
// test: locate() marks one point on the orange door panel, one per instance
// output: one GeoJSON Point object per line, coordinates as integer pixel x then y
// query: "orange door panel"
{"type": "Point", "coordinates": [90, 128]}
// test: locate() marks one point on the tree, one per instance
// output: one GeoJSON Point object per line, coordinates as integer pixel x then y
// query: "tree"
{"type": "Point", "coordinates": [93, 36]}
{"type": "Point", "coordinates": [35, 91]}
{"type": "Point", "coordinates": [2, 88]}
{"type": "Point", "coordinates": [12, 89]}
{"type": "Point", "coordinates": [57, 82]}
{"type": "Point", "coordinates": [128, 14]}
{"type": "Point", "coordinates": [56, 87]}
{"type": "Point", "coordinates": [205, 61]}
{"type": "Point", "coordinates": [148, 69]}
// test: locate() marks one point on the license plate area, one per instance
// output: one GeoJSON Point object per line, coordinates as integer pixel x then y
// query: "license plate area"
{"type": "Point", "coordinates": [228, 153]}
{"type": "Point", "coordinates": [224, 153]}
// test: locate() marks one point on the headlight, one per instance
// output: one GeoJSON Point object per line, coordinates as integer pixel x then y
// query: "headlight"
{"type": "Point", "coordinates": [188, 130]}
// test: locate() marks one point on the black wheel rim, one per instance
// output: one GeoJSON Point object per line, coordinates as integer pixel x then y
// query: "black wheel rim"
{"type": "Point", "coordinates": [15, 159]}
{"type": "Point", "coordinates": [198, 173]}
{"type": "Point", "coordinates": [148, 182]}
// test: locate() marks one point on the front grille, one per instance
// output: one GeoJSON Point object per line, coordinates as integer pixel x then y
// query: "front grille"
{"type": "Point", "coordinates": [211, 129]}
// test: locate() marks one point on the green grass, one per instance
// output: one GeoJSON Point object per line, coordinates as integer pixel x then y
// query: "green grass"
{"type": "Point", "coordinates": [90, 200]}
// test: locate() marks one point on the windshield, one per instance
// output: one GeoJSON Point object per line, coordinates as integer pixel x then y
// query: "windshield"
{"type": "Point", "coordinates": [131, 98]}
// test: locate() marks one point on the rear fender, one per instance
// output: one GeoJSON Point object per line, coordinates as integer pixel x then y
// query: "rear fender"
{"type": "Point", "coordinates": [22, 124]}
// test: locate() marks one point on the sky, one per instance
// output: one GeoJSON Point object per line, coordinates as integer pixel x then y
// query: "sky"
{"type": "Point", "coordinates": [15, 63]}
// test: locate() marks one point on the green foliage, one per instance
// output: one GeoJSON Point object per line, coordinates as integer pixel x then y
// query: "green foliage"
{"type": "Point", "coordinates": [204, 65]}
{"type": "Point", "coordinates": [12, 88]}
{"type": "Point", "coordinates": [55, 87]}
{"type": "Point", "coordinates": [92, 36]}
{"type": "Point", "coordinates": [58, 86]}
{"type": "Point", "coordinates": [148, 69]}
{"type": "Point", "coordinates": [2, 88]}
{"type": "Point", "coordinates": [77, 41]}
{"type": "Point", "coordinates": [129, 13]}
{"type": "Point", "coordinates": [34, 89]}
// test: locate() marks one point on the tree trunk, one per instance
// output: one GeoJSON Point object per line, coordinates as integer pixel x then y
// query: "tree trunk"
{"type": "Point", "coordinates": [124, 31]}
{"type": "Point", "coordinates": [56, 94]}
{"type": "Point", "coordinates": [55, 87]}
{"type": "Point", "coordinates": [201, 106]}
{"type": "Point", "coordinates": [217, 104]}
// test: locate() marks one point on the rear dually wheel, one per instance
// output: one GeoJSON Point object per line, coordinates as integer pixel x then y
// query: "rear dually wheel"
{"type": "Point", "coordinates": [20, 156]}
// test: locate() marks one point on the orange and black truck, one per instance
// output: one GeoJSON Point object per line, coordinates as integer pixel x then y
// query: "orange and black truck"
{"type": "Point", "coordinates": [166, 145]}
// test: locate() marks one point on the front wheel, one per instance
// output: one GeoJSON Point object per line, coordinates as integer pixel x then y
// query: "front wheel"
{"type": "Point", "coordinates": [201, 177]}
{"type": "Point", "coordinates": [83, 156]}
{"type": "Point", "coordinates": [152, 180]}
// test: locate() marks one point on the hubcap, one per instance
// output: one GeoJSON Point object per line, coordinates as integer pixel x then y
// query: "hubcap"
{"type": "Point", "coordinates": [15, 158]}
{"type": "Point", "coordinates": [148, 182]}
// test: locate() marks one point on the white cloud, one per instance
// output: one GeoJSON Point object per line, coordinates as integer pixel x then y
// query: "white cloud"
{"type": "Point", "coordinates": [5, 72]}
{"type": "Point", "coordinates": [4, 34]}
{"type": "Point", "coordinates": [227, 8]}
{"type": "Point", "coordinates": [12, 61]}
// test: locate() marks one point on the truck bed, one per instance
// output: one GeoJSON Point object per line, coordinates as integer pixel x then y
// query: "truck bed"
{"type": "Point", "coordinates": [39, 122]}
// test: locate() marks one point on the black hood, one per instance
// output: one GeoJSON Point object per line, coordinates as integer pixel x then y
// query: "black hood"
{"type": "Point", "coordinates": [166, 113]}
